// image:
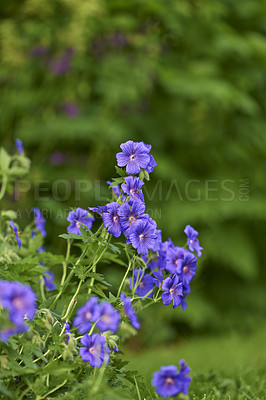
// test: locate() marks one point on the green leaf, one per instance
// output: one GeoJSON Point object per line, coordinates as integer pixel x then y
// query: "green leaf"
{"type": "Point", "coordinates": [96, 289]}
{"type": "Point", "coordinates": [114, 248]}
{"type": "Point", "coordinates": [70, 236]}
{"type": "Point", "coordinates": [117, 181]}
{"type": "Point", "coordinates": [120, 171]}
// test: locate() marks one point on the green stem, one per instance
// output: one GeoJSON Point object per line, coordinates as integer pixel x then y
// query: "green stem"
{"type": "Point", "coordinates": [93, 268]}
{"type": "Point", "coordinates": [72, 303]}
{"type": "Point", "coordinates": [95, 262]}
{"type": "Point", "coordinates": [65, 263]}
{"type": "Point", "coordinates": [123, 280]}
{"type": "Point", "coordinates": [42, 288]}
{"type": "Point", "coordinates": [52, 391]}
{"type": "Point", "coordinates": [69, 276]}
{"type": "Point", "coordinates": [23, 393]}
{"type": "Point", "coordinates": [3, 188]}
{"type": "Point", "coordinates": [99, 379]}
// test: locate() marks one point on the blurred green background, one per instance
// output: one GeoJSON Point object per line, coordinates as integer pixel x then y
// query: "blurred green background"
{"type": "Point", "coordinates": [77, 78]}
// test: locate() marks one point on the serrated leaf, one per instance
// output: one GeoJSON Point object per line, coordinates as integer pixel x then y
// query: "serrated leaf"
{"type": "Point", "coordinates": [114, 248]}
{"type": "Point", "coordinates": [120, 171]}
{"type": "Point", "coordinates": [117, 181]}
{"type": "Point", "coordinates": [96, 289]}
{"type": "Point", "coordinates": [70, 236]}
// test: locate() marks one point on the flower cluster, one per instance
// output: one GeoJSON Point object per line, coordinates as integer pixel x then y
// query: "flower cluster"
{"type": "Point", "coordinates": [19, 302]}
{"type": "Point", "coordinates": [157, 270]}
{"type": "Point", "coordinates": [127, 214]}
{"type": "Point", "coordinates": [106, 318]}
{"type": "Point", "coordinates": [172, 267]}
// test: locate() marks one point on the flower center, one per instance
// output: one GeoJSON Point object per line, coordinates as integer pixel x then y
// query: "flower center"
{"type": "Point", "coordinates": [176, 261]}
{"type": "Point", "coordinates": [142, 236]}
{"type": "Point", "coordinates": [106, 318]}
{"type": "Point", "coordinates": [185, 269]}
{"type": "Point", "coordinates": [131, 219]}
{"type": "Point", "coordinates": [78, 224]}
{"type": "Point", "coordinates": [88, 315]}
{"type": "Point", "coordinates": [169, 380]}
{"type": "Point", "coordinates": [191, 241]}
{"type": "Point", "coordinates": [172, 290]}
{"type": "Point", "coordinates": [132, 191]}
{"type": "Point", "coordinates": [18, 303]}
{"type": "Point", "coordinates": [132, 157]}
{"type": "Point", "coordinates": [92, 350]}
{"type": "Point", "coordinates": [115, 218]}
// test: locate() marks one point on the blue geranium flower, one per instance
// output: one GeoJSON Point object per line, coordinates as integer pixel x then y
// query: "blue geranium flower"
{"type": "Point", "coordinates": [129, 311]}
{"type": "Point", "coordinates": [95, 351]}
{"type": "Point", "coordinates": [109, 318]}
{"type": "Point", "coordinates": [169, 382]}
{"type": "Point", "coordinates": [130, 214]}
{"type": "Point", "coordinates": [77, 218]}
{"type": "Point", "coordinates": [19, 300]}
{"type": "Point", "coordinates": [39, 221]}
{"type": "Point", "coordinates": [143, 236]}
{"type": "Point", "coordinates": [134, 156]}
{"type": "Point", "coordinates": [174, 259]}
{"type": "Point", "coordinates": [111, 219]}
{"type": "Point", "coordinates": [189, 267]}
{"type": "Point", "coordinates": [132, 187]}
{"type": "Point", "coordinates": [87, 314]}
{"type": "Point", "coordinates": [193, 241]}
{"type": "Point", "coordinates": [173, 291]}
{"type": "Point", "coordinates": [15, 229]}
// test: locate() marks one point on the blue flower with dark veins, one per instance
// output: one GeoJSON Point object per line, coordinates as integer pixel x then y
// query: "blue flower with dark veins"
{"type": "Point", "coordinates": [130, 213]}
{"type": "Point", "coordinates": [95, 350]}
{"type": "Point", "coordinates": [111, 219]}
{"type": "Point", "coordinates": [189, 267]}
{"type": "Point", "coordinates": [169, 382]}
{"type": "Point", "coordinates": [173, 291]}
{"type": "Point", "coordinates": [175, 259]}
{"type": "Point", "coordinates": [143, 236]}
{"type": "Point", "coordinates": [77, 218]}
{"type": "Point", "coordinates": [132, 187]}
{"type": "Point", "coordinates": [134, 156]}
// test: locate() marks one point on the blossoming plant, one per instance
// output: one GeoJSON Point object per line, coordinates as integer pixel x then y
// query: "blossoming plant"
{"type": "Point", "coordinates": [62, 340]}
